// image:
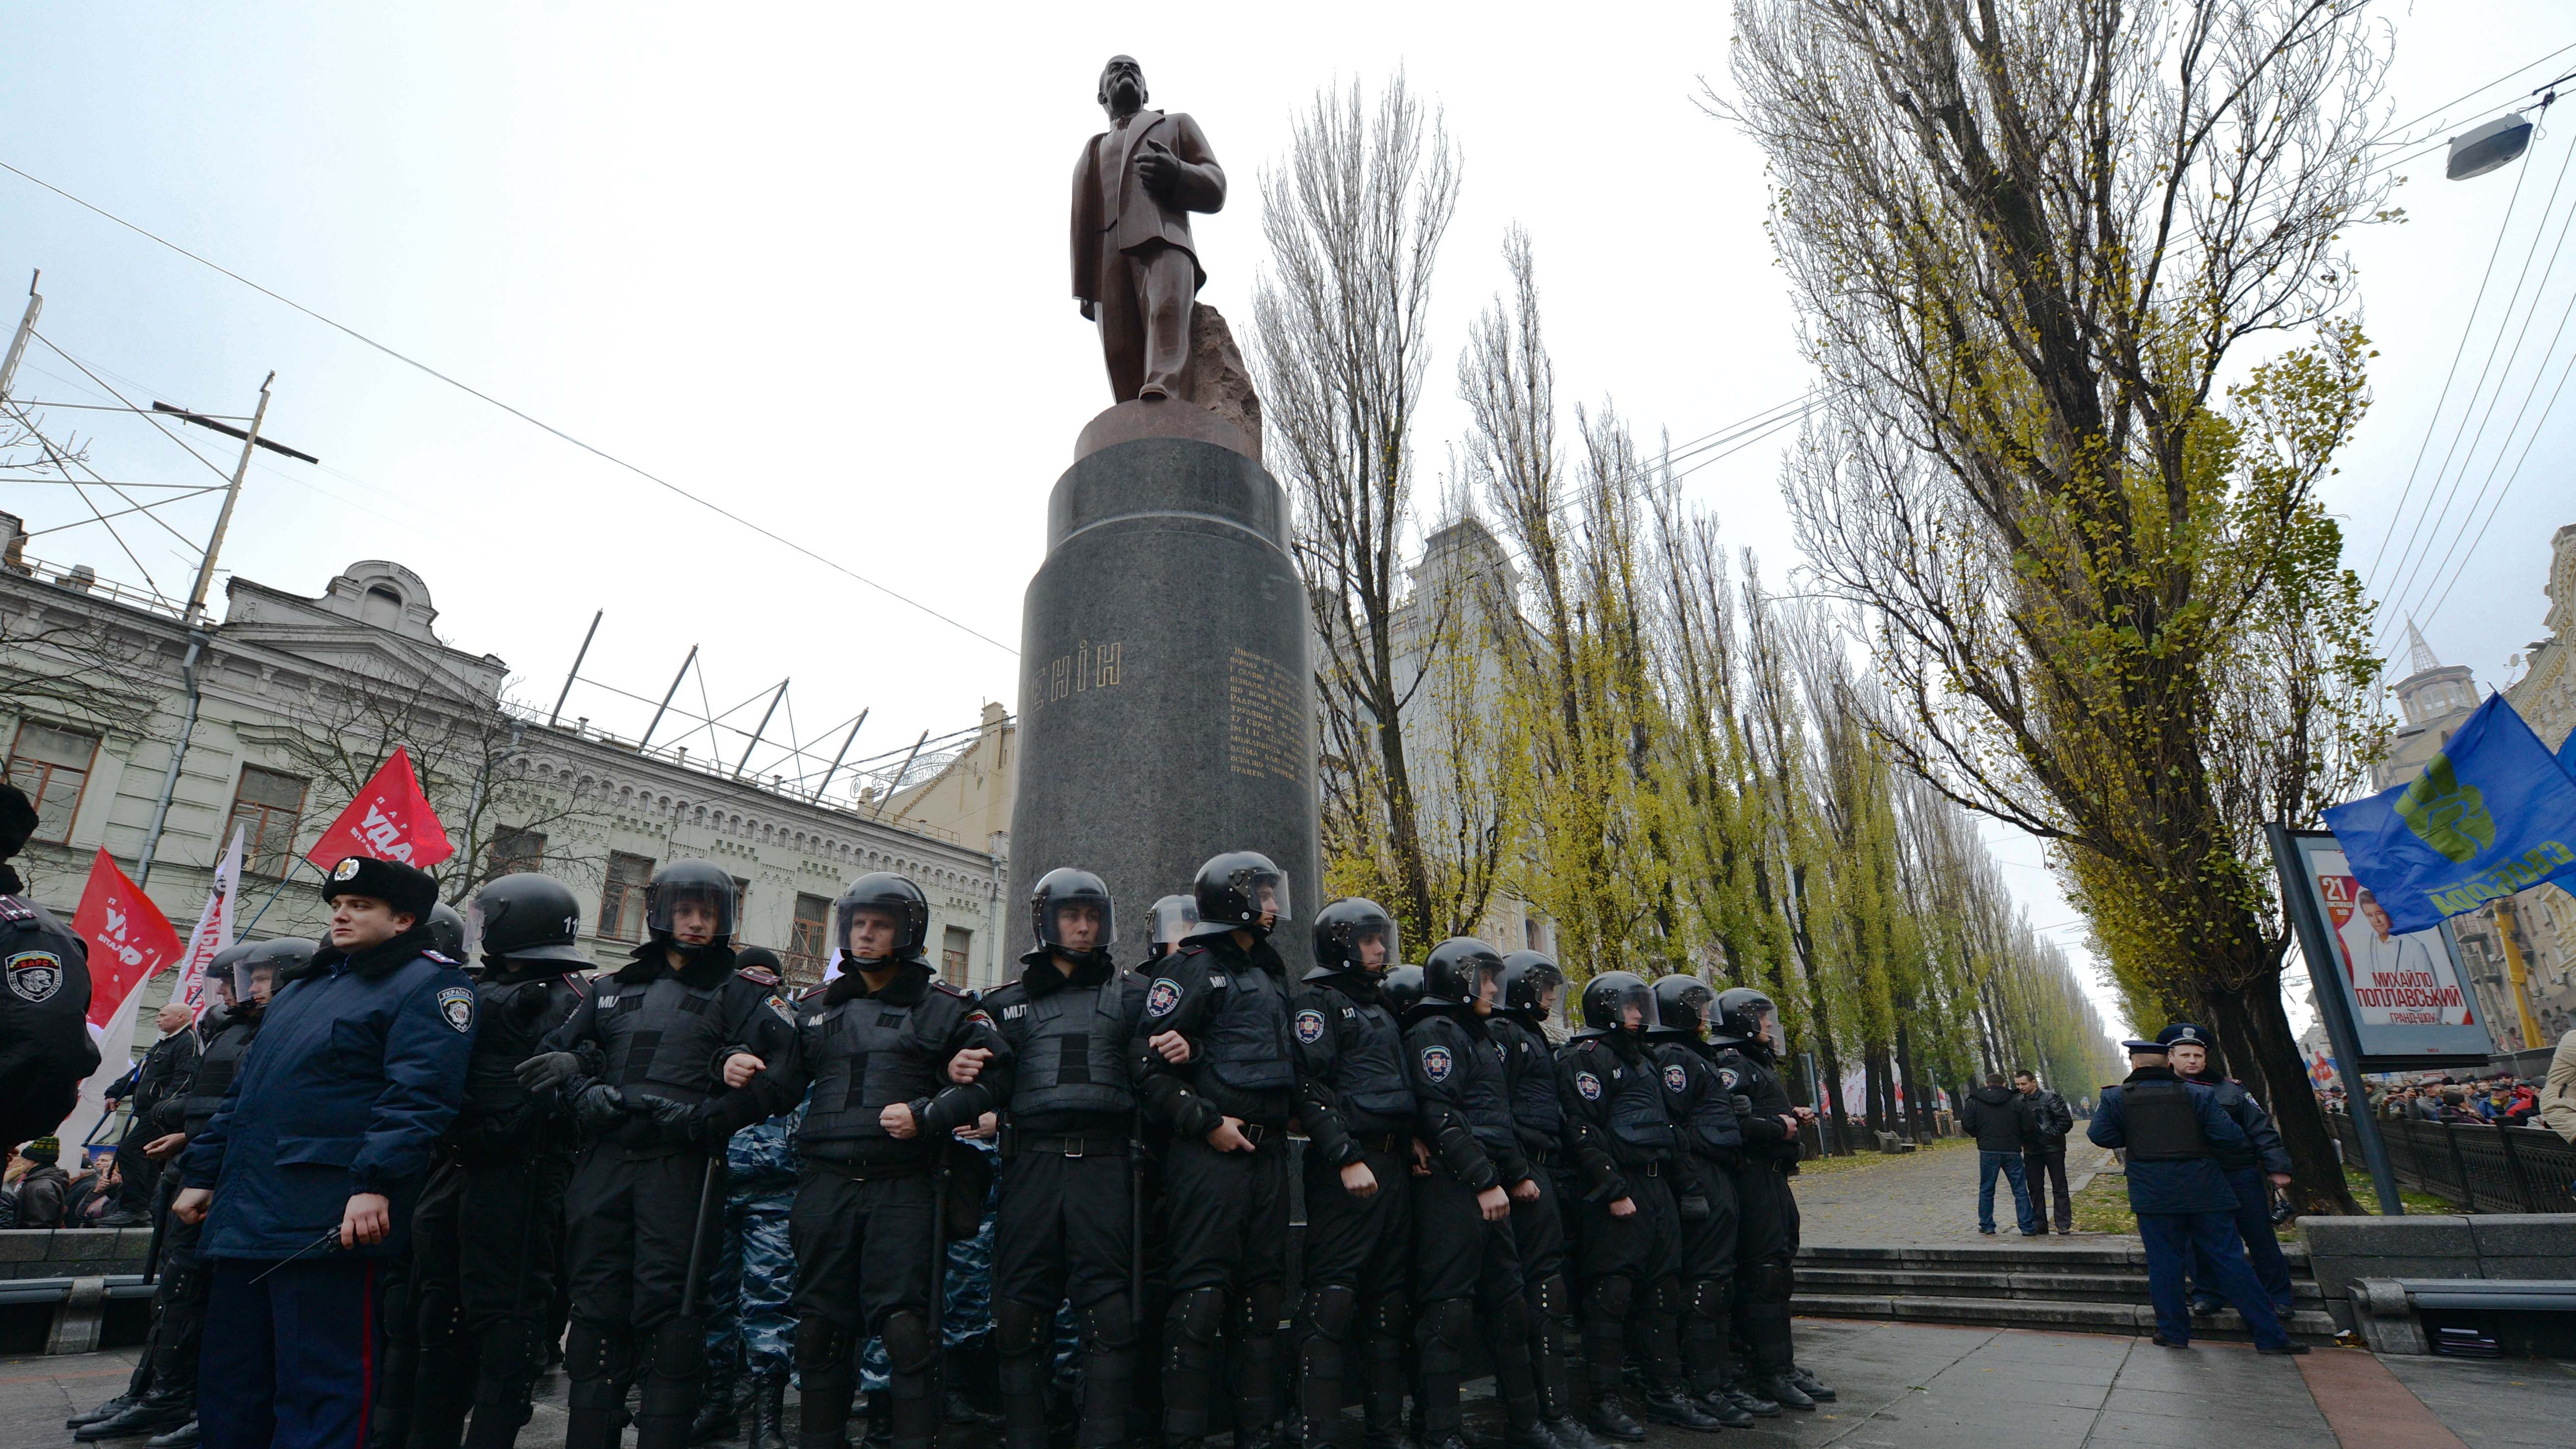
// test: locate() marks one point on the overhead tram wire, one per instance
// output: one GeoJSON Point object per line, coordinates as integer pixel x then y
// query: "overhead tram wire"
{"type": "Point", "coordinates": [2432, 519]}
{"type": "Point", "coordinates": [530, 419]}
{"type": "Point", "coordinates": [2510, 480]}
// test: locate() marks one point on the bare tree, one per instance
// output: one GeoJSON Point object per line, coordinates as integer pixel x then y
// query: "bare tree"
{"type": "Point", "coordinates": [2027, 242]}
{"type": "Point", "coordinates": [1354, 219]}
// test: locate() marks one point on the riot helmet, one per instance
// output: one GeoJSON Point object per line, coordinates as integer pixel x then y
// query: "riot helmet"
{"type": "Point", "coordinates": [1618, 1000]}
{"type": "Point", "coordinates": [1746, 1019]}
{"type": "Point", "coordinates": [1236, 889]}
{"type": "Point", "coordinates": [1682, 1005]}
{"type": "Point", "coordinates": [226, 968]}
{"type": "Point", "coordinates": [525, 917]}
{"type": "Point", "coordinates": [273, 960]}
{"type": "Point", "coordinates": [695, 888]}
{"type": "Point", "coordinates": [1070, 911]}
{"type": "Point", "coordinates": [1356, 934]}
{"type": "Point", "coordinates": [1531, 980]}
{"type": "Point", "coordinates": [446, 931]}
{"type": "Point", "coordinates": [898, 919]}
{"type": "Point", "coordinates": [1463, 971]}
{"type": "Point", "coordinates": [1403, 989]}
{"type": "Point", "coordinates": [1176, 919]}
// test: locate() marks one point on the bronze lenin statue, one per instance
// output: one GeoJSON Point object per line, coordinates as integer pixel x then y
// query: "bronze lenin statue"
{"type": "Point", "coordinates": [1134, 266]}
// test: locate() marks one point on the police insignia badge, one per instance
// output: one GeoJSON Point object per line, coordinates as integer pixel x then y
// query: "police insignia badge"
{"type": "Point", "coordinates": [1162, 996]}
{"type": "Point", "coordinates": [35, 975]}
{"type": "Point", "coordinates": [456, 1004]}
{"type": "Point", "coordinates": [782, 1010]}
{"type": "Point", "coordinates": [1727, 1075]}
{"type": "Point", "coordinates": [1675, 1079]}
{"type": "Point", "coordinates": [1589, 1085]}
{"type": "Point", "coordinates": [1435, 1063]}
{"type": "Point", "coordinates": [347, 869]}
{"type": "Point", "coordinates": [1310, 1027]}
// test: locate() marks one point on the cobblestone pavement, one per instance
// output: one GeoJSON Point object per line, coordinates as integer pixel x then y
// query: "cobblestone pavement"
{"type": "Point", "coordinates": [1918, 1386]}
{"type": "Point", "coordinates": [1921, 1199]}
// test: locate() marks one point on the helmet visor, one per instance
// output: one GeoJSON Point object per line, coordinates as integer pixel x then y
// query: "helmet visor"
{"type": "Point", "coordinates": [1372, 945]}
{"type": "Point", "coordinates": [1174, 918]}
{"type": "Point", "coordinates": [1078, 923]}
{"type": "Point", "coordinates": [872, 930]}
{"type": "Point", "coordinates": [1267, 891]}
{"type": "Point", "coordinates": [254, 978]}
{"type": "Point", "coordinates": [1485, 982]}
{"type": "Point", "coordinates": [1632, 1008]}
{"type": "Point", "coordinates": [692, 912]}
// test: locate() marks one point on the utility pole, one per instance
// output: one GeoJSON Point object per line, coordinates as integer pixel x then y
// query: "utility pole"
{"type": "Point", "coordinates": [224, 519]}
{"type": "Point", "coordinates": [26, 329]}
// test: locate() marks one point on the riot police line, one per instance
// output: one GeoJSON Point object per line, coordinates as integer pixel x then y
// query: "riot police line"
{"type": "Point", "coordinates": [1225, 1199]}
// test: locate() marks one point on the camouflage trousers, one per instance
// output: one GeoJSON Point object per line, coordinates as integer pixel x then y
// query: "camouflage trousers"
{"type": "Point", "coordinates": [749, 1323]}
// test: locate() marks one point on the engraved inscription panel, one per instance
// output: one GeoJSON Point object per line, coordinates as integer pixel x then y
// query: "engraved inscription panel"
{"type": "Point", "coordinates": [1266, 721]}
{"type": "Point", "coordinates": [1090, 666]}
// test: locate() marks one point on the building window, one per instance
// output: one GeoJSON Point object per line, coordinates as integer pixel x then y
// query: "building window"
{"type": "Point", "coordinates": [517, 850]}
{"type": "Point", "coordinates": [809, 940]}
{"type": "Point", "coordinates": [268, 805]}
{"type": "Point", "coordinates": [621, 901]}
{"type": "Point", "coordinates": [1533, 935]}
{"type": "Point", "coordinates": [954, 952]}
{"type": "Point", "coordinates": [52, 765]}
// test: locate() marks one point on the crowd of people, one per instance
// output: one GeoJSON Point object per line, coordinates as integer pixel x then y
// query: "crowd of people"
{"type": "Point", "coordinates": [393, 1190]}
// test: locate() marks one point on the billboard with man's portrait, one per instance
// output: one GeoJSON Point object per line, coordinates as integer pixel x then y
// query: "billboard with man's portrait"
{"type": "Point", "coordinates": [2409, 1001]}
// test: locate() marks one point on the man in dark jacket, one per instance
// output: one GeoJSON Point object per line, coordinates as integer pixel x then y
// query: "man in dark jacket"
{"type": "Point", "coordinates": [305, 1177]}
{"type": "Point", "coordinates": [45, 1049]}
{"type": "Point", "coordinates": [2168, 1129]}
{"type": "Point", "coordinates": [1999, 1119]}
{"type": "Point", "coordinates": [2253, 1167]}
{"type": "Point", "coordinates": [2043, 1145]}
{"type": "Point", "coordinates": [161, 1076]}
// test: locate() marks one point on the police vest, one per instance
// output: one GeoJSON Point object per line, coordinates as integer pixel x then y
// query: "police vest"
{"type": "Point", "coordinates": [2162, 1123]}
{"type": "Point", "coordinates": [1482, 1090]}
{"type": "Point", "coordinates": [1531, 1069]}
{"type": "Point", "coordinates": [1071, 1052]}
{"type": "Point", "coordinates": [510, 1020]}
{"type": "Point", "coordinates": [863, 1059]}
{"type": "Point", "coordinates": [215, 1068]}
{"type": "Point", "coordinates": [1636, 1095]}
{"type": "Point", "coordinates": [1709, 1125]}
{"type": "Point", "coordinates": [662, 1038]}
{"type": "Point", "coordinates": [1368, 1063]}
{"type": "Point", "coordinates": [1248, 1042]}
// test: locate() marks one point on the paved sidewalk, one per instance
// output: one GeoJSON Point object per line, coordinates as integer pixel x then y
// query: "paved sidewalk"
{"type": "Point", "coordinates": [1903, 1386]}
{"type": "Point", "coordinates": [1921, 1199]}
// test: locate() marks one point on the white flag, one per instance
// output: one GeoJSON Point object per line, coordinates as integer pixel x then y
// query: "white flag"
{"type": "Point", "coordinates": [214, 931]}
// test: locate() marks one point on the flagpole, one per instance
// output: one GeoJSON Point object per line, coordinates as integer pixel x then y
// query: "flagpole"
{"type": "Point", "coordinates": [282, 882]}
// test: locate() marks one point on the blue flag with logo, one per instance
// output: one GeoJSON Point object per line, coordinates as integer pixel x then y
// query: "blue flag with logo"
{"type": "Point", "coordinates": [2492, 814]}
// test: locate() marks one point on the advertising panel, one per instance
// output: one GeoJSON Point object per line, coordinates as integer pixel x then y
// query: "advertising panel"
{"type": "Point", "coordinates": [2404, 991]}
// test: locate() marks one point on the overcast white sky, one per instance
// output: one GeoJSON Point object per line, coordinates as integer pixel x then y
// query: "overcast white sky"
{"type": "Point", "coordinates": [810, 261]}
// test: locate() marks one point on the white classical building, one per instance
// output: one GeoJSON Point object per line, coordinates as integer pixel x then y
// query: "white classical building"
{"type": "Point", "coordinates": [289, 702]}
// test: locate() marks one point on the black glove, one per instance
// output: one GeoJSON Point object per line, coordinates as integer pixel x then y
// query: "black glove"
{"type": "Point", "coordinates": [679, 1123]}
{"type": "Point", "coordinates": [1743, 1105]}
{"type": "Point", "coordinates": [548, 1069]}
{"type": "Point", "coordinates": [599, 1107]}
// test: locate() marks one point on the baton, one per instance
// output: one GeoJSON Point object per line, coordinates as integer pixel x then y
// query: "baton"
{"type": "Point", "coordinates": [162, 1194]}
{"type": "Point", "coordinates": [1136, 1223]}
{"type": "Point", "coordinates": [698, 1239]}
{"type": "Point", "coordinates": [939, 1243]}
{"type": "Point", "coordinates": [330, 1237]}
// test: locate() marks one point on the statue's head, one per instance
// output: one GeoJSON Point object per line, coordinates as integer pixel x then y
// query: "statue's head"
{"type": "Point", "coordinates": [1122, 73]}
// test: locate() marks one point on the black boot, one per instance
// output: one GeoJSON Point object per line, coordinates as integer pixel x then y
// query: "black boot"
{"type": "Point", "coordinates": [108, 1410]}
{"type": "Point", "coordinates": [1811, 1386]}
{"type": "Point", "coordinates": [1672, 1406]}
{"type": "Point", "coordinates": [183, 1437]}
{"type": "Point", "coordinates": [154, 1413]}
{"type": "Point", "coordinates": [1609, 1418]}
{"type": "Point", "coordinates": [1779, 1387]}
{"type": "Point", "coordinates": [1740, 1394]}
{"type": "Point", "coordinates": [769, 1409]}
{"type": "Point", "coordinates": [1724, 1410]}
{"type": "Point", "coordinates": [719, 1417]}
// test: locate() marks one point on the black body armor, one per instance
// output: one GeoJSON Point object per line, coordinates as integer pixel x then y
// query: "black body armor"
{"type": "Point", "coordinates": [2161, 1123]}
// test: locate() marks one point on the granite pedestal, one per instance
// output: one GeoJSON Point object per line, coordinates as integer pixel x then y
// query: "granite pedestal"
{"type": "Point", "coordinates": [1166, 686]}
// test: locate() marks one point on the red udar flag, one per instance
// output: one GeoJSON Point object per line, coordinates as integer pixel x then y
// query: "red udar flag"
{"type": "Point", "coordinates": [390, 820]}
{"type": "Point", "coordinates": [129, 939]}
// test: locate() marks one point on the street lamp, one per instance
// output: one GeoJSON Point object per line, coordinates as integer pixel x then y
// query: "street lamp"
{"type": "Point", "coordinates": [2482, 149]}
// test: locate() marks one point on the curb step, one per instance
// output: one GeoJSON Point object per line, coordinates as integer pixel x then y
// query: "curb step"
{"type": "Point", "coordinates": [2309, 1325]}
{"type": "Point", "coordinates": [2097, 1285]}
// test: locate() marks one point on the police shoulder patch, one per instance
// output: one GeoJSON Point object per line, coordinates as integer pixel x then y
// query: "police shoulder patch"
{"type": "Point", "coordinates": [35, 976]}
{"type": "Point", "coordinates": [1310, 1026]}
{"type": "Point", "coordinates": [1436, 1063]}
{"type": "Point", "coordinates": [979, 1015]}
{"type": "Point", "coordinates": [1727, 1075]}
{"type": "Point", "coordinates": [779, 1008]}
{"type": "Point", "coordinates": [1589, 1085]}
{"type": "Point", "coordinates": [456, 1006]}
{"type": "Point", "coordinates": [1676, 1079]}
{"type": "Point", "coordinates": [1162, 996]}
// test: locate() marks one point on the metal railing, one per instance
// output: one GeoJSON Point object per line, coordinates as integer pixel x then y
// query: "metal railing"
{"type": "Point", "coordinates": [2483, 1167]}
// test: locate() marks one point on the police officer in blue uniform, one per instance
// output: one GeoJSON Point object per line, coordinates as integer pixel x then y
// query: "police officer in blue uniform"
{"type": "Point", "coordinates": [1531, 983]}
{"type": "Point", "coordinates": [897, 1060]}
{"type": "Point", "coordinates": [1218, 1067]}
{"type": "Point", "coordinates": [45, 1050]}
{"type": "Point", "coordinates": [305, 1177]}
{"type": "Point", "coordinates": [1467, 1269]}
{"type": "Point", "coordinates": [1624, 1144]}
{"type": "Point", "coordinates": [1703, 1111]}
{"type": "Point", "coordinates": [2170, 1130]}
{"type": "Point", "coordinates": [489, 1235]}
{"type": "Point", "coordinates": [1064, 1229]}
{"type": "Point", "coordinates": [1356, 1101]}
{"type": "Point", "coordinates": [663, 1062]}
{"type": "Point", "coordinates": [751, 1317]}
{"type": "Point", "coordinates": [2253, 1170]}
